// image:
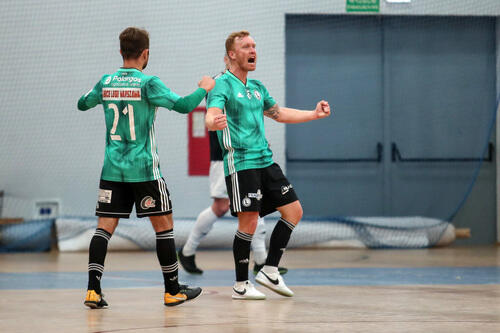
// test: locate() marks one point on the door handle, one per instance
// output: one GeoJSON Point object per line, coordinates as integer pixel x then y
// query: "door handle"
{"type": "Point", "coordinates": [396, 157]}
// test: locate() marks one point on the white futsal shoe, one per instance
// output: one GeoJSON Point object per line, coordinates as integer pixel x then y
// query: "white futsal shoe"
{"type": "Point", "coordinates": [273, 281]}
{"type": "Point", "coordinates": [246, 290]}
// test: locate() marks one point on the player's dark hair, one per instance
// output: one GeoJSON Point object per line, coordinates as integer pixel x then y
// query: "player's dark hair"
{"type": "Point", "coordinates": [231, 38]}
{"type": "Point", "coordinates": [133, 41]}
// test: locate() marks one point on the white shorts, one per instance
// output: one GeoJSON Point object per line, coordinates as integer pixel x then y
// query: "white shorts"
{"type": "Point", "coordinates": [217, 182]}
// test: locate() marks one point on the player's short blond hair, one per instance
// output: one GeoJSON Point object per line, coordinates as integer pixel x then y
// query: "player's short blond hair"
{"type": "Point", "coordinates": [232, 37]}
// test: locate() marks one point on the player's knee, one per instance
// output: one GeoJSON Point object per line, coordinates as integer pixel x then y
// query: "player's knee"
{"type": "Point", "coordinates": [220, 207]}
{"type": "Point", "coordinates": [107, 223]}
{"type": "Point", "coordinates": [299, 212]}
{"type": "Point", "coordinates": [162, 222]}
{"type": "Point", "coordinates": [220, 212]}
{"type": "Point", "coordinates": [247, 222]}
{"type": "Point", "coordinates": [293, 212]}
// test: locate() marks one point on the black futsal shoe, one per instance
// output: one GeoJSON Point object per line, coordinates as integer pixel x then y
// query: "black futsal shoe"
{"type": "Point", "coordinates": [189, 292]}
{"type": "Point", "coordinates": [94, 300]}
{"type": "Point", "coordinates": [187, 262]}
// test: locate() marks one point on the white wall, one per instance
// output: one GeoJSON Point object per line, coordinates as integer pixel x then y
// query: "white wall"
{"type": "Point", "coordinates": [55, 51]}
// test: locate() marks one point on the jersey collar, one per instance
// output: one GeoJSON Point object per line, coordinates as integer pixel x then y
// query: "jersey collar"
{"type": "Point", "coordinates": [128, 69]}
{"type": "Point", "coordinates": [237, 79]}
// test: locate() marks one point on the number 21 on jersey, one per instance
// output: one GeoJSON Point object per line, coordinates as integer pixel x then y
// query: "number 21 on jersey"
{"type": "Point", "coordinates": [129, 109]}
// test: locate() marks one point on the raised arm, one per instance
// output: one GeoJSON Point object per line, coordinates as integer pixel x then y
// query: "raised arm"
{"type": "Point", "coordinates": [188, 103]}
{"type": "Point", "coordinates": [159, 95]}
{"type": "Point", "coordinates": [215, 120]}
{"type": "Point", "coordinates": [291, 116]}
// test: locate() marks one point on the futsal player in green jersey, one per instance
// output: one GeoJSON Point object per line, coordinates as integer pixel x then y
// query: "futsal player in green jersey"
{"type": "Point", "coordinates": [131, 171]}
{"type": "Point", "coordinates": [220, 206]}
{"type": "Point", "coordinates": [255, 184]}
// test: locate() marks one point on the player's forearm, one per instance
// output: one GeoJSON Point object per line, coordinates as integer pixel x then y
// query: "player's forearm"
{"type": "Point", "coordinates": [188, 103]}
{"type": "Point", "coordinates": [289, 115]}
{"type": "Point", "coordinates": [215, 120]}
{"type": "Point", "coordinates": [210, 121]}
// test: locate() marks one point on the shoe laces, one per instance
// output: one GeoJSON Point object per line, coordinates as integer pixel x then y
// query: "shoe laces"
{"type": "Point", "coordinates": [249, 284]}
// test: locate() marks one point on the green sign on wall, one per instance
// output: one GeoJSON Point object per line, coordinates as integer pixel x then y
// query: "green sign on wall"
{"type": "Point", "coordinates": [362, 5]}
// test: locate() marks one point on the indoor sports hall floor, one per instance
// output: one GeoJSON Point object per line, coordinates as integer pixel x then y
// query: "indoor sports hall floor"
{"type": "Point", "coordinates": [453, 289]}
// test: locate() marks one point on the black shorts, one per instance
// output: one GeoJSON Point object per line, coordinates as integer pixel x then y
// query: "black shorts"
{"type": "Point", "coordinates": [116, 199]}
{"type": "Point", "coordinates": [259, 190]}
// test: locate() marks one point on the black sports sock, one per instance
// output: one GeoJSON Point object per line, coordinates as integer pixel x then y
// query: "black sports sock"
{"type": "Point", "coordinates": [279, 240]}
{"type": "Point", "coordinates": [165, 250]}
{"type": "Point", "coordinates": [97, 253]}
{"type": "Point", "coordinates": [241, 253]}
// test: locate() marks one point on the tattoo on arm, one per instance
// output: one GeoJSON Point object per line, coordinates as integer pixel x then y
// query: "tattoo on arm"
{"type": "Point", "coordinates": [273, 112]}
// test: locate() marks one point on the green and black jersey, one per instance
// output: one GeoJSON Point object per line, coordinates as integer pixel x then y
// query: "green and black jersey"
{"type": "Point", "coordinates": [243, 141]}
{"type": "Point", "coordinates": [130, 100]}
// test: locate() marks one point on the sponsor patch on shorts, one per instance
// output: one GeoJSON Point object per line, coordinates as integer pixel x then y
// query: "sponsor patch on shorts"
{"type": "Point", "coordinates": [285, 189]}
{"type": "Point", "coordinates": [257, 195]}
{"type": "Point", "coordinates": [148, 202]}
{"type": "Point", "coordinates": [104, 196]}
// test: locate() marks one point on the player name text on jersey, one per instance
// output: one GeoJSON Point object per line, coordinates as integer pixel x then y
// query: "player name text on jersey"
{"type": "Point", "coordinates": [125, 94]}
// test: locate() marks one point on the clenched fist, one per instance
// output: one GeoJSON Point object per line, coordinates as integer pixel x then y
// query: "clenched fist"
{"type": "Point", "coordinates": [220, 122]}
{"type": "Point", "coordinates": [322, 109]}
{"type": "Point", "coordinates": [206, 83]}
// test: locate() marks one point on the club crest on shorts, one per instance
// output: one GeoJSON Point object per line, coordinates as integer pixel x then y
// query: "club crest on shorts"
{"type": "Point", "coordinates": [285, 189]}
{"type": "Point", "coordinates": [148, 202]}
{"type": "Point", "coordinates": [246, 202]}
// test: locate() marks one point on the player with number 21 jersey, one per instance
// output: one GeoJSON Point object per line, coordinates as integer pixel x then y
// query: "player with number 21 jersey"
{"type": "Point", "coordinates": [130, 100]}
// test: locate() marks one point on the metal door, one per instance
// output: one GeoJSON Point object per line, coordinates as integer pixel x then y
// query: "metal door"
{"type": "Point", "coordinates": [412, 101]}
